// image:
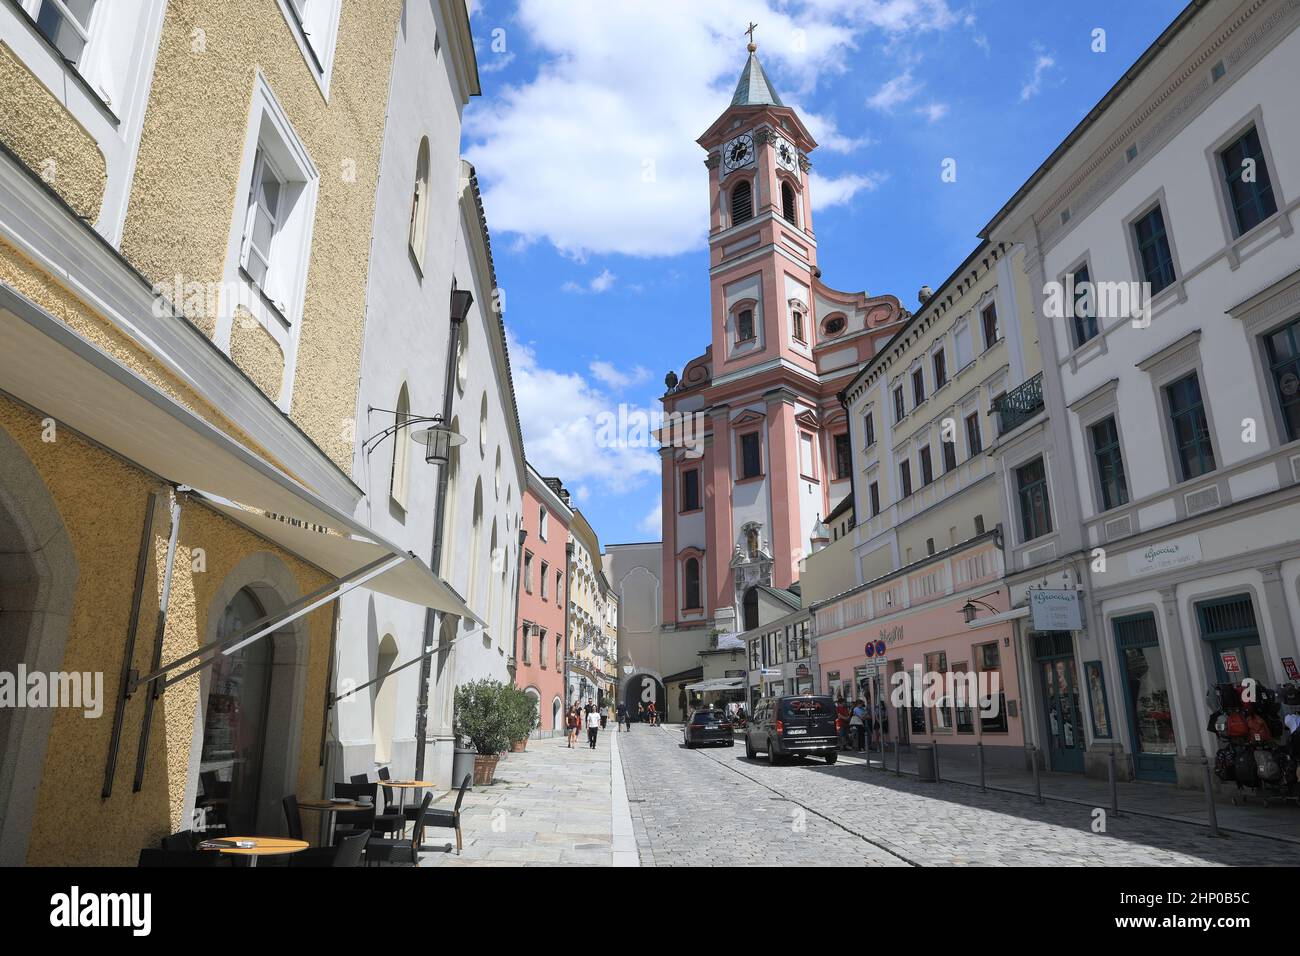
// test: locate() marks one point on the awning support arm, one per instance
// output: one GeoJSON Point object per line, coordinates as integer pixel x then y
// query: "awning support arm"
{"type": "Point", "coordinates": [303, 605]}
{"type": "Point", "coordinates": [436, 649]}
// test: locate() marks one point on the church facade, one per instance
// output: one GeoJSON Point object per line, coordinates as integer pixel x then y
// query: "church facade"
{"type": "Point", "coordinates": [741, 506]}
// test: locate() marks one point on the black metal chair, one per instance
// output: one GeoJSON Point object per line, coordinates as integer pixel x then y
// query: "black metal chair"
{"type": "Point", "coordinates": [390, 805]}
{"type": "Point", "coordinates": [153, 856]}
{"type": "Point", "coordinates": [450, 819]}
{"type": "Point", "coordinates": [401, 850]}
{"type": "Point", "coordinates": [347, 821]}
{"type": "Point", "coordinates": [180, 841]}
{"type": "Point", "coordinates": [346, 852]}
{"type": "Point", "coordinates": [293, 817]}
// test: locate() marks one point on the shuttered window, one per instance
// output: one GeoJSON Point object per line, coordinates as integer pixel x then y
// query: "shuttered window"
{"type": "Point", "coordinates": [742, 202]}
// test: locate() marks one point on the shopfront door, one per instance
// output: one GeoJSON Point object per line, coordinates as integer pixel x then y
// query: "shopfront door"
{"type": "Point", "coordinates": [901, 716]}
{"type": "Point", "coordinates": [1062, 708]}
{"type": "Point", "coordinates": [1228, 627]}
{"type": "Point", "coordinates": [1146, 697]}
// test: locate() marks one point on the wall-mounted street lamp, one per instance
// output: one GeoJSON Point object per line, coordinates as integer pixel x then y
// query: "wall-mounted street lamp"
{"type": "Point", "coordinates": [438, 439]}
{"type": "Point", "coordinates": [969, 610]}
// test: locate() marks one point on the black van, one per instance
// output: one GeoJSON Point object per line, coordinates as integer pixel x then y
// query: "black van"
{"type": "Point", "coordinates": [787, 726]}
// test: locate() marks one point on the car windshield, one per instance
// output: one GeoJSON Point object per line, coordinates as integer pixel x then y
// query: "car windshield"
{"type": "Point", "coordinates": [707, 717]}
{"type": "Point", "coordinates": [806, 706]}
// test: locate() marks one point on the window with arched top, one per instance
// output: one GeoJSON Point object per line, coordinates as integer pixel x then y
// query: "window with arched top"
{"type": "Point", "coordinates": [384, 713]}
{"type": "Point", "coordinates": [691, 581]}
{"type": "Point", "coordinates": [397, 476]}
{"type": "Point", "coordinates": [744, 325]}
{"type": "Point", "coordinates": [420, 204]}
{"type": "Point", "coordinates": [749, 607]}
{"type": "Point", "coordinates": [796, 326]}
{"type": "Point", "coordinates": [787, 203]}
{"type": "Point", "coordinates": [742, 202]}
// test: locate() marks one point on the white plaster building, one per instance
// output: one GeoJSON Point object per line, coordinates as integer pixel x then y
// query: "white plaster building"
{"type": "Point", "coordinates": [429, 238]}
{"type": "Point", "coordinates": [1169, 443]}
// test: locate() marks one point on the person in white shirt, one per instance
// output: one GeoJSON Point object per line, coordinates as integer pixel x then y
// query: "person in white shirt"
{"type": "Point", "coordinates": [593, 727]}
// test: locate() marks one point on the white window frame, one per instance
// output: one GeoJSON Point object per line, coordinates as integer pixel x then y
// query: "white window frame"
{"type": "Point", "coordinates": [276, 304]}
{"type": "Point", "coordinates": [315, 28]}
{"type": "Point", "coordinates": [111, 89]}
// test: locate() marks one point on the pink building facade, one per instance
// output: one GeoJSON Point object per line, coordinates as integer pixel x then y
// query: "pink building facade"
{"type": "Point", "coordinates": [768, 453]}
{"type": "Point", "coordinates": [913, 619]}
{"type": "Point", "coordinates": [541, 622]}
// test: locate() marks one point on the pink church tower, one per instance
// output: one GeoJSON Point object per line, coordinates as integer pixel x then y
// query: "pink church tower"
{"type": "Point", "coordinates": [740, 511]}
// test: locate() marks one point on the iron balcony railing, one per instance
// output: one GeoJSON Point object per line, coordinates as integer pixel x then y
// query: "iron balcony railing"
{"type": "Point", "coordinates": [1020, 404]}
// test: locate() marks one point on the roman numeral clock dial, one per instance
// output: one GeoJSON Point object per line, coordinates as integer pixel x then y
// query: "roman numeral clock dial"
{"type": "Point", "coordinates": [739, 152]}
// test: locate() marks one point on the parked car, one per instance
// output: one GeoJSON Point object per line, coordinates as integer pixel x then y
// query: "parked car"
{"type": "Point", "coordinates": [708, 727]}
{"type": "Point", "coordinates": [789, 726]}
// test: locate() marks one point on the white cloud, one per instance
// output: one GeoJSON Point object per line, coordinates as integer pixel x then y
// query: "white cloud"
{"type": "Point", "coordinates": [615, 378]}
{"type": "Point", "coordinates": [603, 135]}
{"type": "Point", "coordinates": [895, 92]}
{"type": "Point", "coordinates": [837, 190]}
{"type": "Point", "coordinates": [1043, 61]}
{"type": "Point", "coordinates": [601, 283]}
{"type": "Point", "coordinates": [561, 414]}
{"type": "Point", "coordinates": [652, 523]}
{"type": "Point", "coordinates": [934, 111]}
{"type": "Point", "coordinates": [496, 64]}
{"type": "Point", "coordinates": [827, 134]}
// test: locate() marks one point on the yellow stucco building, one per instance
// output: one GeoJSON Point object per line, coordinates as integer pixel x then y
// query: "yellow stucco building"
{"type": "Point", "coordinates": [186, 201]}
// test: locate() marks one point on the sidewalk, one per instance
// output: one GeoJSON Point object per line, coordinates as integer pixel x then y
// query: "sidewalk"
{"type": "Point", "coordinates": [548, 806]}
{"type": "Point", "coordinates": [1165, 801]}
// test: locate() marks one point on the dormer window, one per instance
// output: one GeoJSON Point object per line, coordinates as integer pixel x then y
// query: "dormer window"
{"type": "Point", "coordinates": [787, 203]}
{"type": "Point", "coordinates": [742, 202]}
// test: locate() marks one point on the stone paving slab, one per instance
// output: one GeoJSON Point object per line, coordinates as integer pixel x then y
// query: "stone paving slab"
{"type": "Point", "coordinates": [549, 806]}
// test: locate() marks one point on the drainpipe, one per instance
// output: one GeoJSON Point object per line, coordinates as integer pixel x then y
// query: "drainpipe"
{"type": "Point", "coordinates": [568, 579]}
{"type": "Point", "coordinates": [461, 300]}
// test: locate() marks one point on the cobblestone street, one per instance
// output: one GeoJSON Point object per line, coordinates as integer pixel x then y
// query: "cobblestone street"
{"type": "Point", "coordinates": [714, 806]}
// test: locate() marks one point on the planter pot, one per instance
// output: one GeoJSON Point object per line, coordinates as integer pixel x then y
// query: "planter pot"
{"type": "Point", "coordinates": [462, 765]}
{"type": "Point", "coordinates": [519, 746]}
{"type": "Point", "coordinates": [485, 766]}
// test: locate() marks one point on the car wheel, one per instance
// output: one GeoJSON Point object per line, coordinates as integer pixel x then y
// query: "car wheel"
{"type": "Point", "coordinates": [731, 743]}
{"type": "Point", "coordinates": [750, 752]}
{"type": "Point", "coordinates": [831, 757]}
{"type": "Point", "coordinates": [771, 754]}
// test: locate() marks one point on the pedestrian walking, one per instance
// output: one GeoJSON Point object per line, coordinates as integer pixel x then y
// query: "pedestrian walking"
{"type": "Point", "coordinates": [842, 716]}
{"type": "Point", "coordinates": [654, 717]}
{"type": "Point", "coordinates": [571, 724]}
{"type": "Point", "coordinates": [624, 722]}
{"type": "Point", "coordinates": [593, 728]}
{"type": "Point", "coordinates": [640, 712]}
{"type": "Point", "coordinates": [604, 716]}
{"type": "Point", "coordinates": [858, 726]}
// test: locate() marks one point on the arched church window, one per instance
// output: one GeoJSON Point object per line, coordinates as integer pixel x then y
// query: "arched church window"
{"type": "Point", "coordinates": [749, 608]}
{"type": "Point", "coordinates": [744, 325]}
{"type": "Point", "coordinates": [691, 574]}
{"type": "Point", "coordinates": [420, 203]}
{"type": "Point", "coordinates": [742, 202]}
{"type": "Point", "coordinates": [787, 202]}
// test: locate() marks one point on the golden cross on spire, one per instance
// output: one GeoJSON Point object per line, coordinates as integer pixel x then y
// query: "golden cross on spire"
{"type": "Point", "coordinates": [750, 33]}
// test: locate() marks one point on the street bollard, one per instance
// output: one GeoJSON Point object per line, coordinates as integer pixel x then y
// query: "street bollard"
{"type": "Point", "coordinates": [1209, 798]}
{"type": "Point", "coordinates": [898, 745]}
{"type": "Point", "coordinates": [979, 750]}
{"type": "Point", "coordinates": [881, 732]}
{"type": "Point", "coordinates": [1114, 785]}
{"type": "Point", "coordinates": [1038, 783]}
{"type": "Point", "coordinates": [937, 778]}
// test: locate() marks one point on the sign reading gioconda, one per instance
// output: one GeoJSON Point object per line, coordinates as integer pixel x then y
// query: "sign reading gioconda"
{"type": "Point", "coordinates": [1165, 555]}
{"type": "Point", "coordinates": [1055, 609]}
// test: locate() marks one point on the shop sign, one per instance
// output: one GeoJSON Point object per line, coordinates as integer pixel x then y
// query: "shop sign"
{"type": "Point", "coordinates": [1288, 664]}
{"type": "Point", "coordinates": [1166, 555]}
{"type": "Point", "coordinates": [1231, 665]}
{"type": "Point", "coordinates": [801, 670]}
{"type": "Point", "coordinates": [1055, 609]}
{"type": "Point", "coordinates": [771, 672]}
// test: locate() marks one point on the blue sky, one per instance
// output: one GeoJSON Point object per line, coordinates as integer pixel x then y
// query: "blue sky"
{"type": "Point", "coordinates": [597, 195]}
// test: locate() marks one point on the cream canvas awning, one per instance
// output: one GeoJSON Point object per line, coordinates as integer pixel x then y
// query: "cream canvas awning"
{"type": "Point", "coordinates": [46, 365]}
{"type": "Point", "coordinates": [717, 684]}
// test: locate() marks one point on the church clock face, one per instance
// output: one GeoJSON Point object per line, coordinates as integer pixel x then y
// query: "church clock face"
{"type": "Point", "coordinates": [739, 152]}
{"type": "Point", "coordinates": [787, 155]}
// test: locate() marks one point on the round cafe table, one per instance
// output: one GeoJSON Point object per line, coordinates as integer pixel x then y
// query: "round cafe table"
{"type": "Point", "coordinates": [404, 785]}
{"type": "Point", "coordinates": [262, 846]}
{"type": "Point", "coordinates": [329, 808]}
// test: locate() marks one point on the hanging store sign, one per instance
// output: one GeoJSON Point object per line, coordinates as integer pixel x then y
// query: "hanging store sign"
{"type": "Point", "coordinates": [1231, 663]}
{"type": "Point", "coordinates": [1288, 664]}
{"type": "Point", "coordinates": [1055, 609]}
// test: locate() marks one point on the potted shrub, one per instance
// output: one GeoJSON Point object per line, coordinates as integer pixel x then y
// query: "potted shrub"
{"type": "Point", "coordinates": [523, 708]}
{"type": "Point", "coordinates": [484, 716]}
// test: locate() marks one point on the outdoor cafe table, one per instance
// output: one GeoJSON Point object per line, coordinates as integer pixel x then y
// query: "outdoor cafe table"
{"type": "Point", "coordinates": [405, 785]}
{"type": "Point", "coordinates": [330, 808]}
{"type": "Point", "coordinates": [262, 846]}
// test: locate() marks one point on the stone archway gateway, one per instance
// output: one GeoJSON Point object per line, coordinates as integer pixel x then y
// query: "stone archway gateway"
{"type": "Point", "coordinates": [642, 689]}
{"type": "Point", "coordinates": [38, 580]}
